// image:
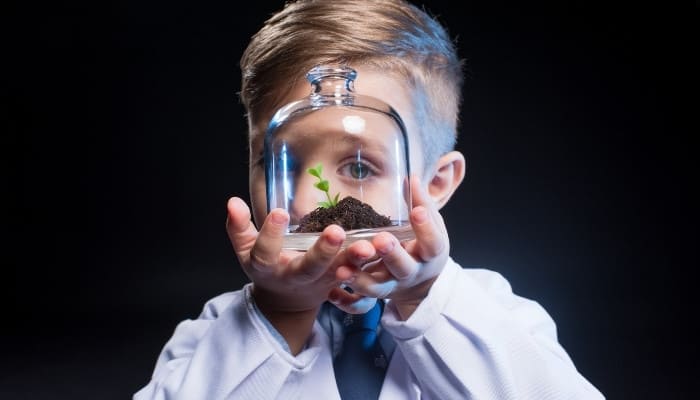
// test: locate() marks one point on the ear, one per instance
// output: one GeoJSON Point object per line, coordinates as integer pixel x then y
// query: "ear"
{"type": "Point", "coordinates": [449, 173]}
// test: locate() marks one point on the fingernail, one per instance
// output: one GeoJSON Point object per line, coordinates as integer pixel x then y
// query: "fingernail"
{"type": "Point", "coordinates": [361, 259]}
{"type": "Point", "coordinates": [279, 218]}
{"type": "Point", "coordinates": [420, 215]}
{"type": "Point", "coordinates": [387, 248]}
{"type": "Point", "coordinates": [334, 240]}
{"type": "Point", "coordinates": [239, 201]}
{"type": "Point", "coordinates": [350, 280]}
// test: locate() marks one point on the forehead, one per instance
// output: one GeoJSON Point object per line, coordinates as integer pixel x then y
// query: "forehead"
{"type": "Point", "coordinates": [339, 127]}
{"type": "Point", "coordinates": [385, 87]}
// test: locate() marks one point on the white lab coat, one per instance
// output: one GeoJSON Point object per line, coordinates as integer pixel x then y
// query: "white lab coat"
{"type": "Point", "coordinates": [471, 338]}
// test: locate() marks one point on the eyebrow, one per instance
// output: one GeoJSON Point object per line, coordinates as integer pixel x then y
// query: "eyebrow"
{"type": "Point", "coordinates": [363, 140]}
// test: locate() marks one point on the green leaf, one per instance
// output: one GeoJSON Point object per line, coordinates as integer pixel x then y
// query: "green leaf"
{"type": "Point", "coordinates": [316, 171]}
{"type": "Point", "coordinates": [322, 185]}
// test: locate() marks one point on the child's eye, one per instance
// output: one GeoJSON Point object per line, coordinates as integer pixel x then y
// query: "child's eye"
{"type": "Point", "coordinates": [357, 170]}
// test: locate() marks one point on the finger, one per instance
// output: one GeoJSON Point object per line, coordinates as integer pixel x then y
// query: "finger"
{"type": "Point", "coordinates": [355, 257]}
{"type": "Point", "coordinates": [319, 256]}
{"type": "Point", "coordinates": [419, 195]}
{"type": "Point", "coordinates": [265, 253]}
{"type": "Point", "coordinates": [352, 303]}
{"type": "Point", "coordinates": [352, 275]}
{"type": "Point", "coordinates": [241, 230]}
{"type": "Point", "coordinates": [427, 224]}
{"type": "Point", "coordinates": [374, 280]}
{"type": "Point", "coordinates": [394, 257]}
{"type": "Point", "coordinates": [380, 285]}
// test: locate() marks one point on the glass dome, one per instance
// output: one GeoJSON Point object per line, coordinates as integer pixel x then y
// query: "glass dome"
{"type": "Point", "coordinates": [338, 157]}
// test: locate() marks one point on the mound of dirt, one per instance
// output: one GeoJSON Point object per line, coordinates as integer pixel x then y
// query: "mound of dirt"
{"type": "Point", "coordinates": [350, 213]}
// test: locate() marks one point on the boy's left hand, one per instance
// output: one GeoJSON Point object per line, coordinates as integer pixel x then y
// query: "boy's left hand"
{"type": "Point", "coordinates": [403, 272]}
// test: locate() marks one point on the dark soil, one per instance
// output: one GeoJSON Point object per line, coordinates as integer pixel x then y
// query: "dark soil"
{"type": "Point", "coordinates": [350, 213]}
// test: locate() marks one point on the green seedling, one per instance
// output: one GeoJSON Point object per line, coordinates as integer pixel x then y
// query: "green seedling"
{"type": "Point", "coordinates": [323, 185]}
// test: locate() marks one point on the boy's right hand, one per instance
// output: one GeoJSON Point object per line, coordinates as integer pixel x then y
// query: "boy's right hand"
{"type": "Point", "coordinates": [288, 286]}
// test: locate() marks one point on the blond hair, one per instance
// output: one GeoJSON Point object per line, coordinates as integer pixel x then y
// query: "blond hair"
{"type": "Point", "coordinates": [389, 35]}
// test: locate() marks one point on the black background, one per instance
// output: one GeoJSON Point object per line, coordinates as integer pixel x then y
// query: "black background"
{"type": "Point", "coordinates": [124, 138]}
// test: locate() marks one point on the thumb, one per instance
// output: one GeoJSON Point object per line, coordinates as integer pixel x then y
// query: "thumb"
{"type": "Point", "coordinates": [240, 228]}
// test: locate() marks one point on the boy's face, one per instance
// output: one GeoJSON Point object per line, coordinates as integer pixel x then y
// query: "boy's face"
{"type": "Point", "coordinates": [374, 174]}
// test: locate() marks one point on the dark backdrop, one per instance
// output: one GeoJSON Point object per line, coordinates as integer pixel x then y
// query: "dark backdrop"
{"type": "Point", "coordinates": [124, 138]}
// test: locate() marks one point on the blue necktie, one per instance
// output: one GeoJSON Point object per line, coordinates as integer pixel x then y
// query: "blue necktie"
{"type": "Point", "coordinates": [361, 364]}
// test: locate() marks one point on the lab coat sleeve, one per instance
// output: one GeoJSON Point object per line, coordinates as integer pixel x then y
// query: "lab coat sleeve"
{"type": "Point", "coordinates": [228, 353]}
{"type": "Point", "coordinates": [472, 338]}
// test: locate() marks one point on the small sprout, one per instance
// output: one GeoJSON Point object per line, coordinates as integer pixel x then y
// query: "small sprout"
{"type": "Point", "coordinates": [323, 186]}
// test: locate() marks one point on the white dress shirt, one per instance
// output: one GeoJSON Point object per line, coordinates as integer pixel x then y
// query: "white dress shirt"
{"type": "Point", "coordinates": [471, 338]}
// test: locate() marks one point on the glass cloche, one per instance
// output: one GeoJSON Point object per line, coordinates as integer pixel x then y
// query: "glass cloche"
{"type": "Point", "coordinates": [338, 157]}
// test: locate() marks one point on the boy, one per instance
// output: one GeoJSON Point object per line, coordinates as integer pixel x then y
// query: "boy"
{"type": "Point", "coordinates": [446, 332]}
